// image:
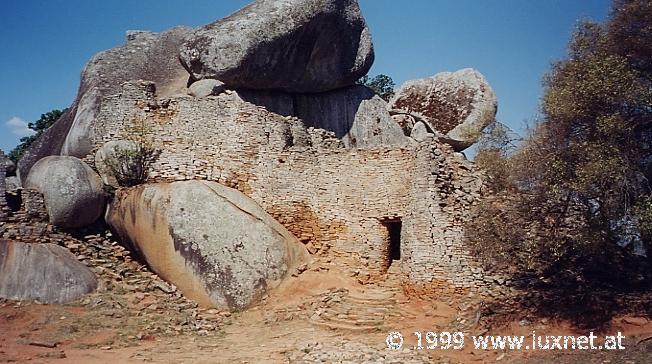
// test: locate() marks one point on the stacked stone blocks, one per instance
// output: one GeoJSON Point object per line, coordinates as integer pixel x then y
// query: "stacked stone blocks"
{"type": "Point", "coordinates": [333, 199]}
{"type": "Point", "coordinates": [4, 209]}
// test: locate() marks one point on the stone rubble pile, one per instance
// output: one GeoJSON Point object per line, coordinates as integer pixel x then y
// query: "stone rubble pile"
{"type": "Point", "coordinates": [132, 291]}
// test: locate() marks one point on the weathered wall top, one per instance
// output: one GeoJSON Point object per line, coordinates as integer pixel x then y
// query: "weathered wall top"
{"type": "Point", "coordinates": [148, 56]}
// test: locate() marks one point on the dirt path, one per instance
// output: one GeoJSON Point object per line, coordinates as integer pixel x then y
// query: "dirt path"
{"type": "Point", "coordinates": [322, 315]}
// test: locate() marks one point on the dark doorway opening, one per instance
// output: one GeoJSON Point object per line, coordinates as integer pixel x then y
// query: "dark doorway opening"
{"type": "Point", "coordinates": [14, 201]}
{"type": "Point", "coordinates": [394, 229]}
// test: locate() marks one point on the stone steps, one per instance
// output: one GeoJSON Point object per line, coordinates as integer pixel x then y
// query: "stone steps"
{"type": "Point", "coordinates": [368, 311]}
{"type": "Point", "coordinates": [348, 327]}
{"type": "Point", "coordinates": [358, 313]}
{"type": "Point", "coordinates": [371, 302]}
{"type": "Point", "coordinates": [352, 321]}
{"type": "Point", "coordinates": [362, 311]}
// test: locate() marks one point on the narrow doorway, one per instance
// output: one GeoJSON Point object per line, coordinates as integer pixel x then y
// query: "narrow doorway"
{"type": "Point", "coordinates": [394, 230]}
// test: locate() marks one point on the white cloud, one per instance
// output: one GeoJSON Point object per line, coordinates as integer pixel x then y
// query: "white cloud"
{"type": "Point", "coordinates": [18, 127]}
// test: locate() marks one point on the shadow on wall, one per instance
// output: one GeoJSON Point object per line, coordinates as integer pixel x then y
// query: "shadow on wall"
{"type": "Point", "coordinates": [334, 111]}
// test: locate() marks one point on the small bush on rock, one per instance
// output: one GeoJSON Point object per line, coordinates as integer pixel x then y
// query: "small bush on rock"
{"type": "Point", "coordinates": [131, 164]}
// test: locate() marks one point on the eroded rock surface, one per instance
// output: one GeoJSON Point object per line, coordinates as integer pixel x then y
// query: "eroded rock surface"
{"type": "Point", "coordinates": [290, 45]}
{"type": "Point", "coordinates": [44, 272]}
{"type": "Point", "coordinates": [214, 243]}
{"type": "Point", "coordinates": [73, 192]}
{"type": "Point", "coordinates": [458, 105]}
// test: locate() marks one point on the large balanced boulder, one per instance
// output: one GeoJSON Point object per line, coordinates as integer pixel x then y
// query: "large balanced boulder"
{"type": "Point", "coordinates": [73, 193]}
{"type": "Point", "coordinates": [292, 45]}
{"type": "Point", "coordinates": [457, 105]}
{"type": "Point", "coordinates": [44, 272]}
{"type": "Point", "coordinates": [215, 244]}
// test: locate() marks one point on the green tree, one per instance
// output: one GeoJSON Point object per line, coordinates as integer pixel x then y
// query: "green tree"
{"type": "Point", "coordinates": [579, 201]}
{"type": "Point", "coordinates": [382, 85]}
{"type": "Point", "coordinates": [494, 148]}
{"type": "Point", "coordinates": [39, 126]}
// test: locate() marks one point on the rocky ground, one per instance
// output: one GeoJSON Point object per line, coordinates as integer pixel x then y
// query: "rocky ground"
{"type": "Point", "coordinates": [319, 315]}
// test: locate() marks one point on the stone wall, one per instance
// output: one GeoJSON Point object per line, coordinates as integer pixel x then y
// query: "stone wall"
{"type": "Point", "coordinates": [445, 187]}
{"type": "Point", "coordinates": [335, 200]}
{"type": "Point", "coordinates": [4, 209]}
{"type": "Point", "coordinates": [30, 222]}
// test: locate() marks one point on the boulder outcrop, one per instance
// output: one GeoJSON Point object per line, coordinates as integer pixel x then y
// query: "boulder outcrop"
{"type": "Point", "coordinates": [44, 272]}
{"type": "Point", "coordinates": [308, 46]}
{"type": "Point", "coordinates": [214, 243]}
{"type": "Point", "coordinates": [301, 46]}
{"type": "Point", "coordinates": [457, 105]}
{"type": "Point", "coordinates": [328, 159]}
{"type": "Point", "coordinates": [73, 192]}
{"type": "Point", "coordinates": [146, 55]}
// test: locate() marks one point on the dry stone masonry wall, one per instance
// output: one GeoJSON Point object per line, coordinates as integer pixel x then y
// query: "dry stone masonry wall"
{"type": "Point", "coordinates": [335, 200]}
{"type": "Point", "coordinates": [30, 222]}
{"type": "Point", "coordinates": [445, 187]}
{"type": "Point", "coordinates": [4, 209]}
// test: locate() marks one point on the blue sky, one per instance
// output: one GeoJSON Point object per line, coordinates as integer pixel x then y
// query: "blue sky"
{"type": "Point", "coordinates": [45, 43]}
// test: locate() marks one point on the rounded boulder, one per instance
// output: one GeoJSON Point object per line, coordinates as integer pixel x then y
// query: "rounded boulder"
{"type": "Point", "coordinates": [302, 46]}
{"type": "Point", "coordinates": [218, 246]}
{"type": "Point", "coordinates": [457, 105]}
{"type": "Point", "coordinates": [73, 193]}
{"type": "Point", "coordinates": [206, 87]}
{"type": "Point", "coordinates": [45, 272]}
